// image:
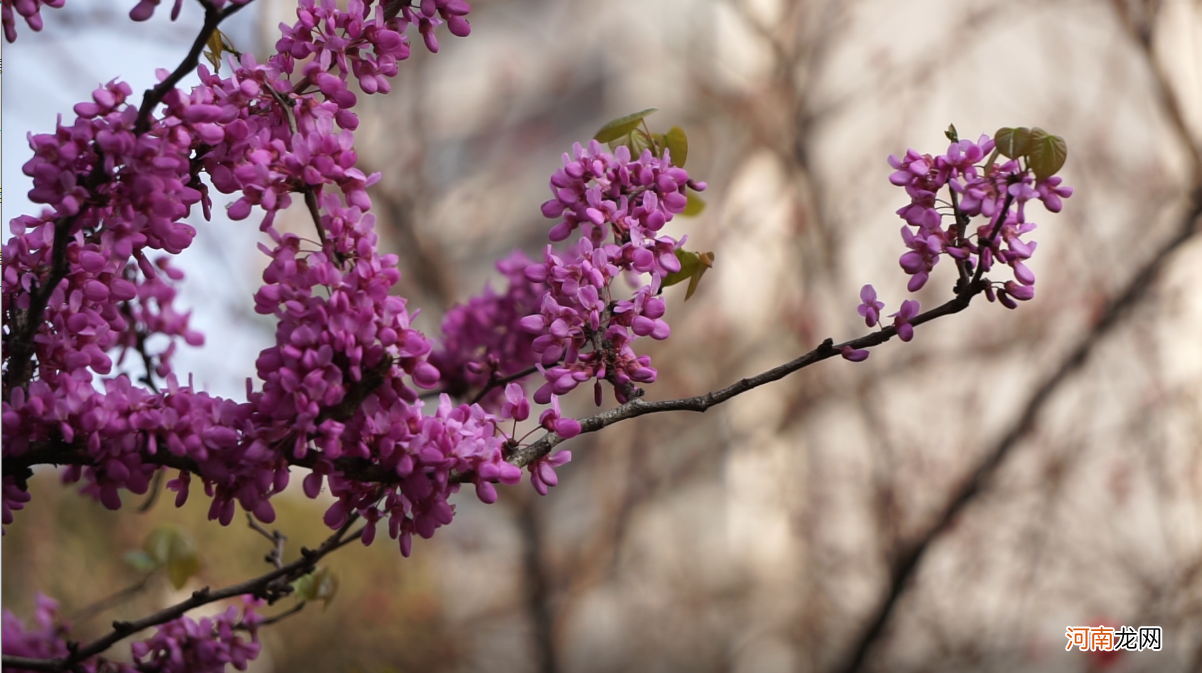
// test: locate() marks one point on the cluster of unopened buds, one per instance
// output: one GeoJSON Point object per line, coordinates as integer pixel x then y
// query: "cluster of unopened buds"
{"type": "Point", "coordinates": [986, 181]}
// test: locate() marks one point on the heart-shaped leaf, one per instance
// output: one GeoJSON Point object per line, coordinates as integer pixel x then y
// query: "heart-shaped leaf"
{"type": "Point", "coordinates": [1013, 142]}
{"type": "Point", "coordinates": [693, 266]}
{"type": "Point", "coordinates": [705, 262]}
{"type": "Point", "coordinates": [640, 142]}
{"type": "Point", "coordinates": [216, 46]}
{"type": "Point", "coordinates": [621, 126]}
{"type": "Point", "coordinates": [678, 146]}
{"type": "Point", "coordinates": [688, 266]}
{"type": "Point", "coordinates": [170, 547]}
{"type": "Point", "coordinates": [694, 206]}
{"type": "Point", "coordinates": [179, 569]}
{"type": "Point", "coordinates": [951, 133]}
{"type": "Point", "coordinates": [319, 585]}
{"type": "Point", "coordinates": [1046, 154]}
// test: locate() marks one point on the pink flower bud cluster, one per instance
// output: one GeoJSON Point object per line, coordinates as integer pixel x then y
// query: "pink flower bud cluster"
{"type": "Point", "coordinates": [334, 385]}
{"type": "Point", "coordinates": [188, 646]}
{"type": "Point", "coordinates": [482, 339]}
{"type": "Point", "coordinates": [116, 194]}
{"type": "Point", "coordinates": [179, 646]}
{"type": "Point", "coordinates": [982, 191]}
{"type": "Point", "coordinates": [46, 641]}
{"type": "Point", "coordinates": [996, 192]}
{"type": "Point", "coordinates": [585, 329]}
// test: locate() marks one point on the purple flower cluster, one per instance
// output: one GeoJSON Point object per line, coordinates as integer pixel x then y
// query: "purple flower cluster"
{"type": "Point", "coordinates": [206, 646]}
{"type": "Point", "coordinates": [997, 192]}
{"type": "Point", "coordinates": [46, 641]}
{"type": "Point", "coordinates": [117, 194]}
{"type": "Point", "coordinates": [988, 192]}
{"type": "Point", "coordinates": [482, 339]}
{"type": "Point", "coordinates": [584, 330]}
{"type": "Point", "coordinates": [117, 185]}
{"type": "Point", "coordinates": [179, 646]}
{"type": "Point", "coordinates": [423, 451]}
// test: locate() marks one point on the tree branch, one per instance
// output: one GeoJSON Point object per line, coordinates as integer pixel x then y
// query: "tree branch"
{"type": "Point", "coordinates": [264, 586]}
{"type": "Point", "coordinates": [361, 469]}
{"type": "Point", "coordinates": [524, 455]}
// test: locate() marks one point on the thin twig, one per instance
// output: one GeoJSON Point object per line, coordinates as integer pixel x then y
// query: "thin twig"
{"type": "Point", "coordinates": [495, 382]}
{"type": "Point", "coordinates": [89, 611]}
{"type": "Point", "coordinates": [276, 555]}
{"type": "Point", "coordinates": [270, 586]}
{"type": "Point", "coordinates": [360, 469]}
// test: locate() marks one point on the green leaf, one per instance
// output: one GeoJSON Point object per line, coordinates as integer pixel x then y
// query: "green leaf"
{"type": "Point", "coordinates": [302, 588]}
{"type": "Point", "coordinates": [694, 207]}
{"type": "Point", "coordinates": [140, 560]}
{"type": "Point", "coordinates": [217, 44]}
{"type": "Point", "coordinates": [1013, 142]}
{"type": "Point", "coordinates": [678, 145]}
{"type": "Point", "coordinates": [639, 141]}
{"type": "Point", "coordinates": [951, 133]}
{"type": "Point", "coordinates": [704, 263]}
{"type": "Point", "coordinates": [693, 266]}
{"type": "Point", "coordinates": [327, 587]}
{"type": "Point", "coordinates": [319, 585]}
{"type": "Point", "coordinates": [1047, 153]}
{"type": "Point", "coordinates": [173, 548]}
{"type": "Point", "coordinates": [181, 568]}
{"type": "Point", "coordinates": [621, 126]}
{"type": "Point", "coordinates": [158, 544]}
{"type": "Point", "coordinates": [688, 266]}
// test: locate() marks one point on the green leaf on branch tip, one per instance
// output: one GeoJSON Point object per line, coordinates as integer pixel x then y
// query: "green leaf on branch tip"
{"type": "Point", "coordinates": [678, 146]}
{"type": "Point", "coordinates": [319, 585]}
{"type": "Point", "coordinates": [637, 140]}
{"type": "Point", "coordinates": [1046, 154]}
{"type": "Point", "coordinates": [658, 144]}
{"type": "Point", "coordinates": [1013, 142]}
{"type": "Point", "coordinates": [951, 133]}
{"type": "Point", "coordinates": [218, 44]}
{"type": "Point", "coordinates": [694, 206]}
{"type": "Point", "coordinates": [621, 126]}
{"type": "Point", "coordinates": [173, 548]}
{"type": "Point", "coordinates": [693, 266]}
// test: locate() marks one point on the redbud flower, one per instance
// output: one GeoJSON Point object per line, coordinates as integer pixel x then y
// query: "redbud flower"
{"type": "Point", "coordinates": [552, 419]}
{"type": "Point", "coordinates": [981, 191]}
{"type": "Point", "coordinates": [542, 471]}
{"type": "Point", "coordinates": [870, 308]}
{"type": "Point", "coordinates": [854, 355]}
{"type": "Point", "coordinates": [516, 405]}
{"type": "Point", "coordinates": [901, 319]}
